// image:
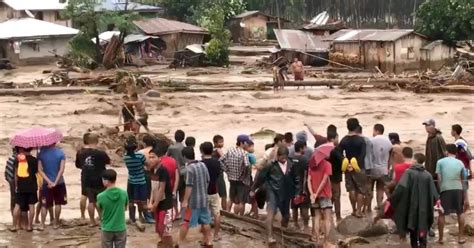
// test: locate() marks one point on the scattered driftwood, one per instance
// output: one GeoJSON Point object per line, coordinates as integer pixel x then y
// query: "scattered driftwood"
{"type": "Point", "coordinates": [287, 237]}
{"type": "Point", "coordinates": [348, 242]}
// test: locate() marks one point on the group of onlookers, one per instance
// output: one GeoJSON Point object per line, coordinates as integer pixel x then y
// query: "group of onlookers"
{"type": "Point", "coordinates": [169, 182]}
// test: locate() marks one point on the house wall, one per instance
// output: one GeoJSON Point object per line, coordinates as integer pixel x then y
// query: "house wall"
{"type": "Point", "coordinates": [52, 16]}
{"type": "Point", "coordinates": [378, 54]}
{"type": "Point", "coordinates": [179, 41]}
{"type": "Point", "coordinates": [408, 53]}
{"type": "Point", "coordinates": [436, 57]}
{"type": "Point", "coordinates": [36, 52]}
{"type": "Point", "coordinates": [255, 27]}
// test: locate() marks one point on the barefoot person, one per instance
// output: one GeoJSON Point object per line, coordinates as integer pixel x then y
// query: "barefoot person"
{"type": "Point", "coordinates": [112, 204]}
{"type": "Point", "coordinates": [415, 195]}
{"type": "Point", "coordinates": [234, 163]}
{"type": "Point", "coordinates": [136, 187]}
{"type": "Point", "coordinates": [26, 167]}
{"type": "Point", "coordinates": [51, 164]}
{"type": "Point", "coordinates": [92, 163]}
{"type": "Point", "coordinates": [214, 169]}
{"type": "Point", "coordinates": [195, 201]}
{"type": "Point", "coordinates": [335, 158]}
{"type": "Point", "coordinates": [302, 201]}
{"type": "Point", "coordinates": [282, 185]}
{"type": "Point", "coordinates": [379, 173]}
{"type": "Point", "coordinates": [161, 203]}
{"type": "Point", "coordinates": [297, 69]}
{"type": "Point", "coordinates": [450, 172]}
{"type": "Point", "coordinates": [140, 107]}
{"type": "Point", "coordinates": [218, 152]}
{"type": "Point", "coordinates": [353, 147]}
{"type": "Point", "coordinates": [127, 116]}
{"type": "Point", "coordinates": [320, 190]}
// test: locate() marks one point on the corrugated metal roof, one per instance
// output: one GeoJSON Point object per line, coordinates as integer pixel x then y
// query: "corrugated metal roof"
{"type": "Point", "coordinates": [35, 4]}
{"type": "Point", "coordinates": [298, 40]}
{"type": "Point", "coordinates": [351, 35]}
{"type": "Point", "coordinates": [33, 28]}
{"type": "Point", "coordinates": [432, 45]}
{"type": "Point", "coordinates": [332, 26]}
{"type": "Point", "coordinates": [249, 13]}
{"type": "Point", "coordinates": [321, 19]}
{"type": "Point", "coordinates": [160, 26]}
{"type": "Point", "coordinates": [196, 48]}
{"type": "Point", "coordinates": [138, 38]}
{"type": "Point", "coordinates": [119, 5]}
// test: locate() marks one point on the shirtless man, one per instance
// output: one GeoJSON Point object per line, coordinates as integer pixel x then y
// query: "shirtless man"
{"type": "Point", "coordinates": [297, 69]}
{"type": "Point", "coordinates": [140, 107]}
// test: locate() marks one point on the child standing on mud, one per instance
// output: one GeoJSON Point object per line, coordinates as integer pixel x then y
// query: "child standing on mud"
{"type": "Point", "coordinates": [136, 188]}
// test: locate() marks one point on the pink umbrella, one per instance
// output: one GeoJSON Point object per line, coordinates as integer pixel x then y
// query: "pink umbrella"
{"type": "Point", "coordinates": [36, 137]}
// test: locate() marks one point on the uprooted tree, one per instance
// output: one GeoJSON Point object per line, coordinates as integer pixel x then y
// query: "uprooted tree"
{"type": "Point", "coordinates": [91, 23]}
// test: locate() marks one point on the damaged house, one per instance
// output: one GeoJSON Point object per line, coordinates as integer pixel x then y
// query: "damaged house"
{"type": "Point", "coordinates": [176, 35]}
{"type": "Point", "coordinates": [307, 47]}
{"type": "Point", "coordinates": [391, 50]}
{"type": "Point", "coordinates": [31, 41]}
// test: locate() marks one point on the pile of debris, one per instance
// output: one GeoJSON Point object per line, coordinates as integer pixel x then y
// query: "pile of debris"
{"type": "Point", "coordinates": [346, 59]}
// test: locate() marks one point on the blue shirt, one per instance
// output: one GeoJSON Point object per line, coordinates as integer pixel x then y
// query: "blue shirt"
{"type": "Point", "coordinates": [136, 168]}
{"type": "Point", "coordinates": [50, 158]}
{"type": "Point", "coordinates": [450, 169]}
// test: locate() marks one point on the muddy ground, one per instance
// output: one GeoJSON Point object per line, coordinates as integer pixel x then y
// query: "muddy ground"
{"type": "Point", "coordinates": [203, 115]}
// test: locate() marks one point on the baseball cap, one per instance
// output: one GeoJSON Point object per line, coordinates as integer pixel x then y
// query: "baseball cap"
{"type": "Point", "coordinates": [243, 138]}
{"type": "Point", "coordinates": [430, 122]}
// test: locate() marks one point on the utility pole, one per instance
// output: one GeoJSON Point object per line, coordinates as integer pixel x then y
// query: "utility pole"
{"type": "Point", "coordinates": [278, 13]}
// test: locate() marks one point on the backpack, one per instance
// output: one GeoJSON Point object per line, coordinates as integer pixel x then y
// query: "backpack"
{"type": "Point", "coordinates": [22, 171]}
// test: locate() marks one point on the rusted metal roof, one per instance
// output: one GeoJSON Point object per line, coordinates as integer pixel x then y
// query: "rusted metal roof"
{"type": "Point", "coordinates": [160, 26]}
{"type": "Point", "coordinates": [298, 40]}
{"type": "Point", "coordinates": [250, 13]}
{"type": "Point", "coordinates": [353, 35]}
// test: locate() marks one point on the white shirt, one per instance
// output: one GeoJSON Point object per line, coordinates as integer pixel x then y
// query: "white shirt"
{"type": "Point", "coordinates": [283, 166]}
{"type": "Point", "coordinates": [381, 151]}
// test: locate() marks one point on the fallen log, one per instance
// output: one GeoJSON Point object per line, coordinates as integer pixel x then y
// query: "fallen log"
{"type": "Point", "coordinates": [53, 91]}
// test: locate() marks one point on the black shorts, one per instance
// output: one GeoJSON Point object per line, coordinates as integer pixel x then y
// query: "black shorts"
{"type": "Point", "coordinates": [137, 193]}
{"type": "Point", "coordinates": [148, 182]}
{"type": "Point", "coordinates": [356, 181]}
{"type": "Point", "coordinates": [238, 192]}
{"type": "Point", "coordinates": [83, 188]}
{"type": "Point", "coordinates": [221, 187]}
{"type": "Point", "coordinates": [181, 188]}
{"type": "Point", "coordinates": [92, 193]}
{"type": "Point", "coordinates": [452, 201]}
{"type": "Point", "coordinates": [26, 199]}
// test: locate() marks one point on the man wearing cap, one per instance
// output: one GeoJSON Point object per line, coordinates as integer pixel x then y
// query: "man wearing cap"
{"type": "Point", "coordinates": [308, 151]}
{"type": "Point", "coordinates": [435, 146]}
{"type": "Point", "coordinates": [234, 163]}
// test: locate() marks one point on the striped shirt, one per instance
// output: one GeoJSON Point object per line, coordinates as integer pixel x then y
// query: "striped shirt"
{"type": "Point", "coordinates": [234, 163]}
{"type": "Point", "coordinates": [136, 168]}
{"type": "Point", "coordinates": [10, 169]}
{"type": "Point", "coordinates": [197, 177]}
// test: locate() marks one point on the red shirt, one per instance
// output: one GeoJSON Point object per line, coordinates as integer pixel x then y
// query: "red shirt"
{"type": "Point", "coordinates": [317, 173]}
{"type": "Point", "coordinates": [169, 164]}
{"type": "Point", "coordinates": [399, 169]}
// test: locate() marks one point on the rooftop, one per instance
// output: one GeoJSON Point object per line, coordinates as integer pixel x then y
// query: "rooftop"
{"type": "Point", "coordinates": [32, 28]}
{"type": "Point", "coordinates": [298, 40]}
{"type": "Point", "coordinates": [119, 5]}
{"type": "Point", "coordinates": [35, 4]}
{"type": "Point", "coordinates": [249, 13]}
{"type": "Point", "coordinates": [160, 26]}
{"type": "Point", "coordinates": [351, 35]}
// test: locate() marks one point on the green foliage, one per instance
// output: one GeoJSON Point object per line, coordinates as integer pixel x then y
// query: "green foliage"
{"type": "Point", "coordinates": [82, 51]}
{"type": "Point", "coordinates": [449, 20]}
{"type": "Point", "coordinates": [227, 8]}
{"type": "Point", "coordinates": [217, 53]}
{"type": "Point", "coordinates": [92, 23]}
{"type": "Point", "coordinates": [214, 19]}
{"type": "Point", "coordinates": [183, 10]}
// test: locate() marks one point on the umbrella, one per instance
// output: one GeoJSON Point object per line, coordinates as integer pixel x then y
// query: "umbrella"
{"type": "Point", "coordinates": [36, 137]}
{"type": "Point", "coordinates": [320, 153]}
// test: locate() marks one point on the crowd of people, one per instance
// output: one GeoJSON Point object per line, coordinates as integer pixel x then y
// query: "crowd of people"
{"type": "Point", "coordinates": [168, 182]}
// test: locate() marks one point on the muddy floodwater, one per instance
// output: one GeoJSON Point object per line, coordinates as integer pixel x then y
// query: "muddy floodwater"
{"type": "Point", "coordinates": [203, 115]}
